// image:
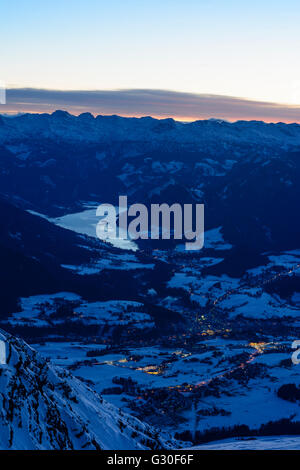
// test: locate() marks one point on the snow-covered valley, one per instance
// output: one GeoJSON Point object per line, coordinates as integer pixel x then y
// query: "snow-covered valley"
{"type": "Point", "coordinates": [186, 348]}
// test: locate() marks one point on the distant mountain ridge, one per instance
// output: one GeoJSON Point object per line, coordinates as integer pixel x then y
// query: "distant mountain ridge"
{"type": "Point", "coordinates": [61, 124]}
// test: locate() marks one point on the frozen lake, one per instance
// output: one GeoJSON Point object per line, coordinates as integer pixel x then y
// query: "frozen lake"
{"type": "Point", "coordinates": [85, 222]}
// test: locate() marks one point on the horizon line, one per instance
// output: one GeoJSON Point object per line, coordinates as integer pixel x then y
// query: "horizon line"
{"type": "Point", "coordinates": [12, 115]}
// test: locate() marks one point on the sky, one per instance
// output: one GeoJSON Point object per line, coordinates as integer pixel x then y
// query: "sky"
{"type": "Point", "coordinates": [221, 49]}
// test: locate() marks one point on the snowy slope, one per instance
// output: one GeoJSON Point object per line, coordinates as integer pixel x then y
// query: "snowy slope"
{"type": "Point", "coordinates": [260, 443]}
{"type": "Point", "coordinates": [44, 407]}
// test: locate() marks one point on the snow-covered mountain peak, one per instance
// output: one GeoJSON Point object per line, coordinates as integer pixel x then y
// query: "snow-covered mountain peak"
{"type": "Point", "coordinates": [45, 407]}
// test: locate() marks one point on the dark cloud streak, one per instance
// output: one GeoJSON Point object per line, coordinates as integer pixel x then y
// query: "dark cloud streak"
{"type": "Point", "coordinates": [156, 103]}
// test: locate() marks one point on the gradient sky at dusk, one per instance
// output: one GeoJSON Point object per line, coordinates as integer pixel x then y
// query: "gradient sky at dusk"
{"type": "Point", "coordinates": [245, 49]}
